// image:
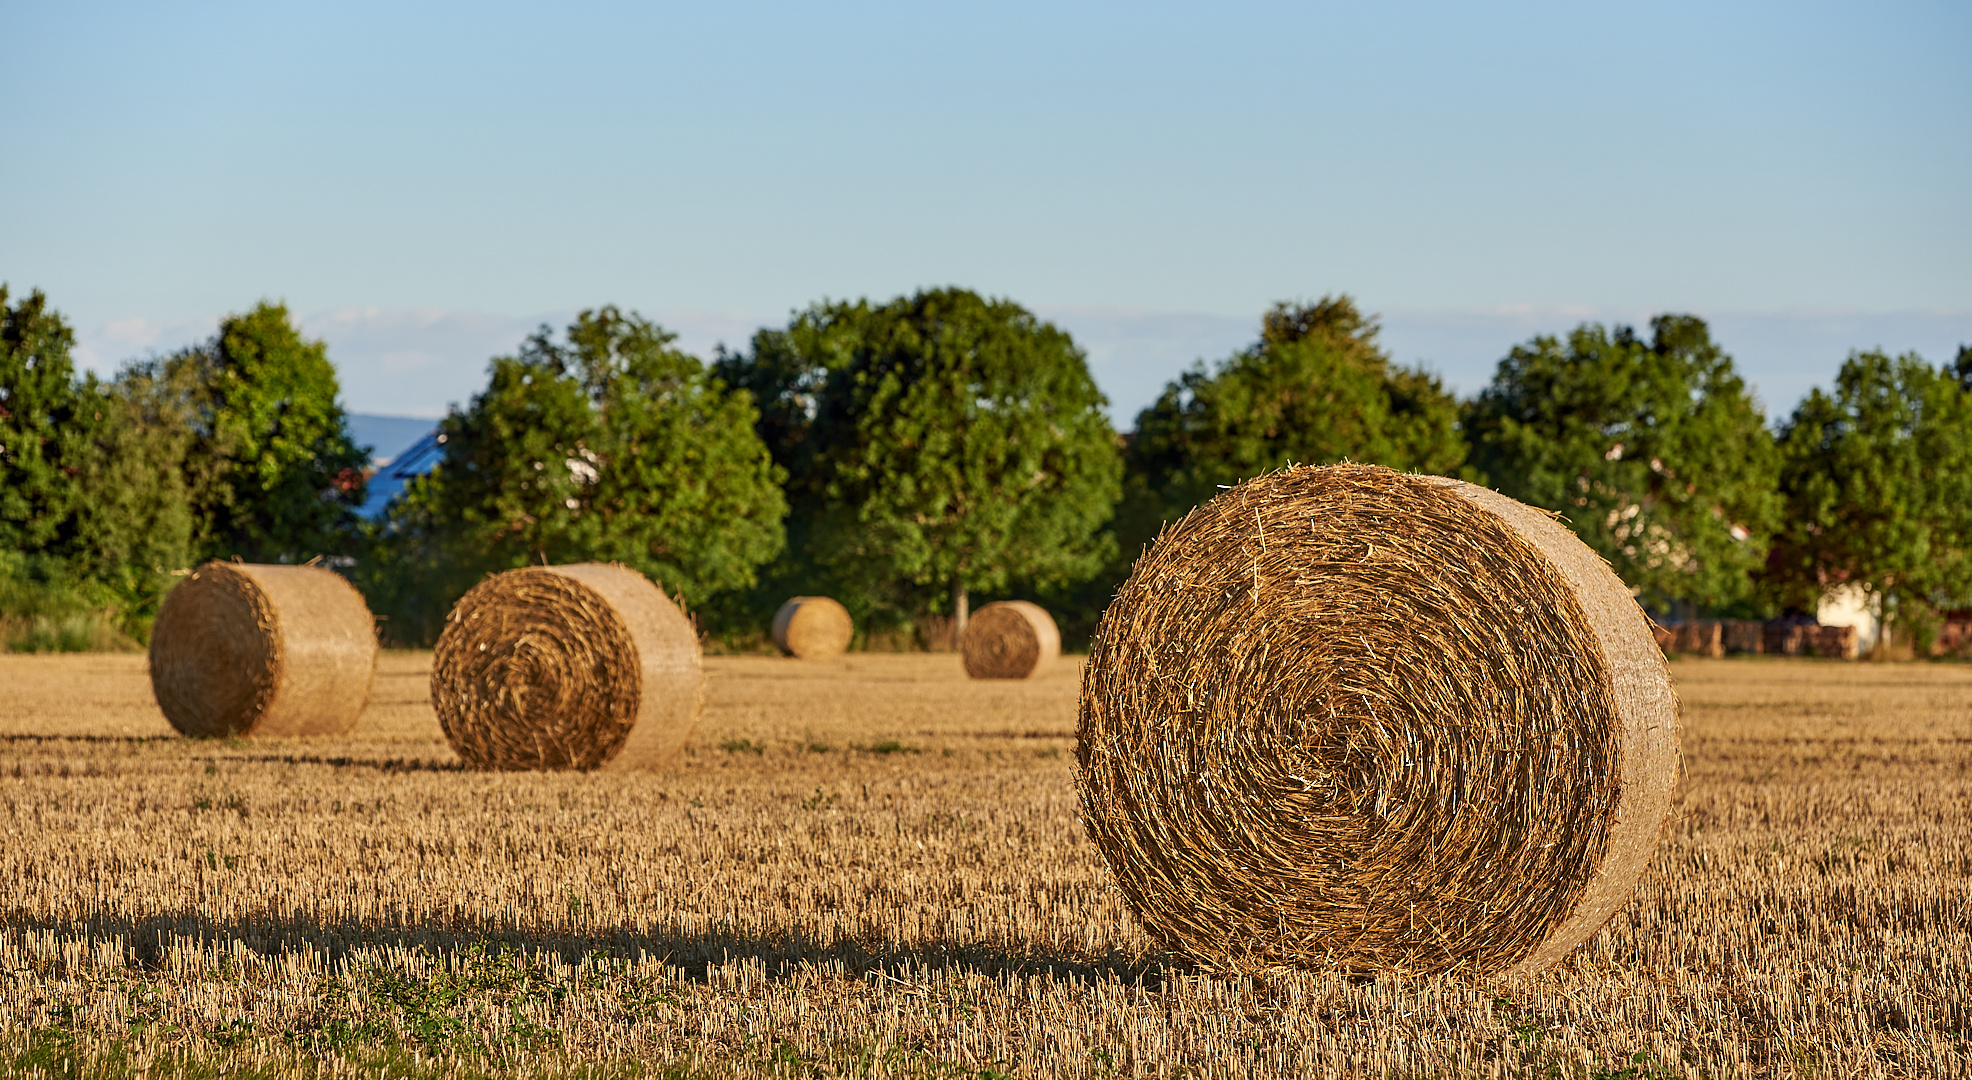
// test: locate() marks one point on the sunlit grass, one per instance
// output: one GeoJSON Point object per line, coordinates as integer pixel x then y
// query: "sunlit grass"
{"type": "Point", "coordinates": [873, 867]}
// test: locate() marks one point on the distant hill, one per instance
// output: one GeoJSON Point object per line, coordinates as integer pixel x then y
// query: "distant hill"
{"type": "Point", "coordinates": [387, 436]}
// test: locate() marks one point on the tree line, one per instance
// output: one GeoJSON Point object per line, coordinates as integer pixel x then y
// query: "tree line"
{"type": "Point", "coordinates": [910, 455]}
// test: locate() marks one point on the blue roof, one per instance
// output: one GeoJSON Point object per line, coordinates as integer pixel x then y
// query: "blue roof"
{"type": "Point", "coordinates": [418, 459]}
{"type": "Point", "coordinates": [387, 436]}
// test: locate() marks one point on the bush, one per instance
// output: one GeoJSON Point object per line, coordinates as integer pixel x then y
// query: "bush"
{"type": "Point", "coordinates": [43, 609]}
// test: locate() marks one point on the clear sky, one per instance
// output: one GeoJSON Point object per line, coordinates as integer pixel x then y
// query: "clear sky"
{"type": "Point", "coordinates": [424, 182]}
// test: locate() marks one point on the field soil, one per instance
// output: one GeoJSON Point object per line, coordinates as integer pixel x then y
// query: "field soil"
{"type": "Point", "coordinates": [872, 866]}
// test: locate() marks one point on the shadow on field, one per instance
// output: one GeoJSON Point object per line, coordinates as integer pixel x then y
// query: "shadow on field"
{"type": "Point", "coordinates": [383, 765]}
{"type": "Point", "coordinates": [696, 955]}
{"type": "Point", "coordinates": [107, 740]}
{"type": "Point", "coordinates": [216, 749]}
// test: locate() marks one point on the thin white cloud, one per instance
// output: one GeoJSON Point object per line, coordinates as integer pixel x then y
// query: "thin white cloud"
{"type": "Point", "coordinates": [1134, 353]}
{"type": "Point", "coordinates": [107, 346]}
{"type": "Point", "coordinates": [420, 361]}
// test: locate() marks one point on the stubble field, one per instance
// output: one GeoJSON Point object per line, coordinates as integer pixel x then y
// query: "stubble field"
{"type": "Point", "coordinates": [873, 867]}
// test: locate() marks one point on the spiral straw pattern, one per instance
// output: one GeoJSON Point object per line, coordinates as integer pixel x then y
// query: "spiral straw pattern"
{"type": "Point", "coordinates": [566, 667]}
{"type": "Point", "coordinates": [1352, 719]}
{"type": "Point", "coordinates": [246, 649]}
{"type": "Point", "coordinates": [1010, 639]}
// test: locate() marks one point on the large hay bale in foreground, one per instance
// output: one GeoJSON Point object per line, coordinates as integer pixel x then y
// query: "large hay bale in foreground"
{"type": "Point", "coordinates": [245, 649]}
{"type": "Point", "coordinates": [813, 628]}
{"type": "Point", "coordinates": [1358, 720]}
{"type": "Point", "coordinates": [566, 667]}
{"type": "Point", "coordinates": [1009, 639]}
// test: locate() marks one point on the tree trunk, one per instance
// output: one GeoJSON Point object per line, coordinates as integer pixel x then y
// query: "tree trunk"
{"type": "Point", "coordinates": [959, 612]}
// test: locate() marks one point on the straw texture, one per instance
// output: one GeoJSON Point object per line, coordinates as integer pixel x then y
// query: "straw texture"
{"type": "Point", "coordinates": [566, 667]}
{"type": "Point", "coordinates": [813, 628]}
{"type": "Point", "coordinates": [1009, 639]}
{"type": "Point", "coordinates": [243, 649]}
{"type": "Point", "coordinates": [1348, 718]}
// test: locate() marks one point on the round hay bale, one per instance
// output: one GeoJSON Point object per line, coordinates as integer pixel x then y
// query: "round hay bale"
{"type": "Point", "coordinates": [813, 628]}
{"type": "Point", "coordinates": [245, 649]}
{"type": "Point", "coordinates": [1352, 719]}
{"type": "Point", "coordinates": [566, 667]}
{"type": "Point", "coordinates": [1010, 639]}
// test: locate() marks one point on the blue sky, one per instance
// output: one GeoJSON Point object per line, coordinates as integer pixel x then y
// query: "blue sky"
{"type": "Point", "coordinates": [422, 183]}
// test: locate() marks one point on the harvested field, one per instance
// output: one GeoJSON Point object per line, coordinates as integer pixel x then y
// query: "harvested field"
{"type": "Point", "coordinates": [872, 866]}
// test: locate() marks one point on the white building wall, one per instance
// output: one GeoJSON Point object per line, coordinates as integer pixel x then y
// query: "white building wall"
{"type": "Point", "coordinates": [1850, 605]}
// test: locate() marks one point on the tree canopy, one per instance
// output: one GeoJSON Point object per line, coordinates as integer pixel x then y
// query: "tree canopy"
{"type": "Point", "coordinates": [1315, 389]}
{"type": "Point", "coordinates": [1877, 479]}
{"type": "Point", "coordinates": [92, 506]}
{"type": "Point", "coordinates": [907, 454]}
{"type": "Point", "coordinates": [134, 520]}
{"type": "Point", "coordinates": [607, 446]}
{"type": "Point", "coordinates": [942, 441]}
{"type": "Point", "coordinates": [271, 470]}
{"type": "Point", "coordinates": [1655, 452]}
{"type": "Point", "coordinates": [44, 425]}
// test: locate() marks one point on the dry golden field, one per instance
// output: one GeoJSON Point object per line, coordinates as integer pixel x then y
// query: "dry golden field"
{"type": "Point", "coordinates": [872, 867]}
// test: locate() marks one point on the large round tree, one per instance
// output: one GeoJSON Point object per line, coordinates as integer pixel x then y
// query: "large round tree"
{"type": "Point", "coordinates": [942, 442]}
{"type": "Point", "coordinates": [1317, 388]}
{"type": "Point", "coordinates": [1877, 477]}
{"type": "Point", "coordinates": [271, 470]}
{"type": "Point", "coordinates": [609, 445]}
{"type": "Point", "coordinates": [1654, 451]}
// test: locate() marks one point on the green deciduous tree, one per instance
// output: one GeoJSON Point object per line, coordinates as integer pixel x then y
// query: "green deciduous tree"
{"type": "Point", "coordinates": [1654, 451]}
{"type": "Point", "coordinates": [93, 511]}
{"type": "Point", "coordinates": [1878, 484]}
{"type": "Point", "coordinates": [608, 446]}
{"type": "Point", "coordinates": [135, 518]}
{"type": "Point", "coordinates": [1315, 389]}
{"type": "Point", "coordinates": [938, 445]}
{"type": "Point", "coordinates": [271, 469]}
{"type": "Point", "coordinates": [44, 425]}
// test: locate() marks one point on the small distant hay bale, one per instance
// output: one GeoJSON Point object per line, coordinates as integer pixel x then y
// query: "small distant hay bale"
{"type": "Point", "coordinates": [1665, 636]}
{"type": "Point", "coordinates": [1743, 636]}
{"type": "Point", "coordinates": [1700, 637]}
{"type": "Point", "coordinates": [1010, 639]}
{"type": "Point", "coordinates": [813, 628]}
{"type": "Point", "coordinates": [1788, 638]}
{"type": "Point", "coordinates": [246, 649]}
{"type": "Point", "coordinates": [1954, 638]}
{"type": "Point", "coordinates": [566, 667]}
{"type": "Point", "coordinates": [1351, 719]}
{"type": "Point", "coordinates": [1834, 642]}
